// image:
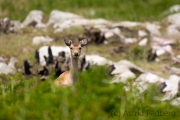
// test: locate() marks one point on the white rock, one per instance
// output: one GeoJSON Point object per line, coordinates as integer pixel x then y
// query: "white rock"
{"type": "Point", "coordinates": [153, 28]}
{"type": "Point", "coordinates": [143, 42]}
{"type": "Point", "coordinates": [142, 82]}
{"type": "Point", "coordinates": [41, 39]}
{"type": "Point", "coordinates": [78, 22]}
{"type": "Point", "coordinates": [161, 50]}
{"type": "Point", "coordinates": [100, 21]}
{"type": "Point", "coordinates": [69, 23]}
{"type": "Point", "coordinates": [126, 64]}
{"type": "Point", "coordinates": [119, 69]}
{"type": "Point", "coordinates": [130, 40]}
{"type": "Point", "coordinates": [43, 51]}
{"type": "Point", "coordinates": [57, 16]}
{"type": "Point", "coordinates": [175, 102]}
{"type": "Point", "coordinates": [8, 68]}
{"type": "Point", "coordinates": [142, 33]}
{"type": "Point", "coordinates": [123, 77]}
{"type": "Point", "coordinates": [127, 24]}
{"type": "Point", "coordinates": [168, 49]}
{"type": "Point", "coordinates": [16, 25]}
{"type": "Point", "coordinates": [63, 20]}
{"type": "Point", "coordinates": [172, 31]}
{"type": "Point", "coordinates": [173, 9]}
{"type": "Point", "coordinates": [34, 16]}
{"type": "Point", "coordinates": [10, 25]}
{"type": "Point", "coordinates": [172, 87]}
{"type": "Point", "coordinates": [150, 78]}
{"type": "Point", "coordinates": [140, 86]}
{"type": "Point", "coordinates": [112, 32]}
{"type": "Point", "coordinates": [122, 71]}
{"type": "Point", "coordinates": [173, 19]}
{"type": "Point", "coordinates": [97, 60]}
{"type": "Point", "coordinates": [108, 34]}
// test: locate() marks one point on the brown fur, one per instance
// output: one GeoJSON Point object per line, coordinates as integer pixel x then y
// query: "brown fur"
{"type": "Point", "coordinates": [64, 79]}
{"type": "Point", "coordinates": [75, 45]}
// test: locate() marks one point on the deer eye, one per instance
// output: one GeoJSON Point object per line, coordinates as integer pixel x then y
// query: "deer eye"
{"type": "Point", "coordinates": [71, 48]}
{"type": "Point", "coordinates": [79, 48]}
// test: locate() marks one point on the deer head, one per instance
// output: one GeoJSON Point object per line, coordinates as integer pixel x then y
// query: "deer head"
{"type": "Point", "coordinates": [75, 47]}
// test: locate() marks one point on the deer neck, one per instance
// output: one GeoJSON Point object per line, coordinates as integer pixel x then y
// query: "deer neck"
{"type": "Point", "coordinates": [74, 69]}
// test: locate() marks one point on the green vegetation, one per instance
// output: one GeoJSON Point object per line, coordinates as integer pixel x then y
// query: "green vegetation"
{"type": "Point", "coordinates": [28, 98]}
{"type": "Point", "coordinates": [89, 99]}
{"type": "Point", "coordinates": [117, 10]}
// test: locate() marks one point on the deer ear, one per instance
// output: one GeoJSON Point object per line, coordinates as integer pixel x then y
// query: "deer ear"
{"type": "Point", "coordinates": [67, 41]}
{"type": "Point", "coordinates": [83, 42]}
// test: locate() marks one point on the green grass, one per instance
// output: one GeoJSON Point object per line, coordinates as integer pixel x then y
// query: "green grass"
{"type": "Point", "coordinates": [116, 10]}
{"type": "Point", "coordinates": [90, 98]}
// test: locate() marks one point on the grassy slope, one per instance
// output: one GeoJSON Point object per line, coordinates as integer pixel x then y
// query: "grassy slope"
{"type": "Point", "coordinates": [24, 98]}
{"type": "Point", "coordinates": [117, 10]}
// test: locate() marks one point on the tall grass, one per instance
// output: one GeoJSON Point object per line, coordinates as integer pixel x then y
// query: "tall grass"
{"type": "Point", "coordinates": [89, 99]}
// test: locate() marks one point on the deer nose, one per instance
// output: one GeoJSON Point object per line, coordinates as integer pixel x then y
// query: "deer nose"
{"type": "Point", "coordinates": [76, 54]}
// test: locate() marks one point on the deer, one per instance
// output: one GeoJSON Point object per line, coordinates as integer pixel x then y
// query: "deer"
{"type": "Point", "coordinates": [70, 77]}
